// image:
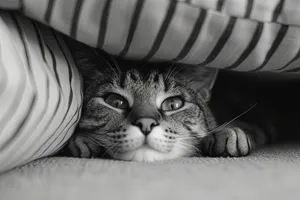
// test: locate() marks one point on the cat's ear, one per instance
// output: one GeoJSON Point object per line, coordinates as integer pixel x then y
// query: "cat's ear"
{"type": "Point", "coordinates": [89, 69]}
{"type": "Point", "coordinates": [200, 79]}
{"type": "Point", "coordinates": [90, 62]}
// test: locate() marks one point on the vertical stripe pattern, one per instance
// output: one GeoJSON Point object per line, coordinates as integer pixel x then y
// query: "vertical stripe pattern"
{"type": "Point", "coordinates": [192, 38]}
{"type": "Point", "coordinates": [277, 10]}
{"type": "Point", "coordinates": [103, 25]}
{"type": "Point", "coordinates": [42, 91]}
{"type": "Point", "coordinates": [156, 30]}
{"type": "Point", "coordinates": [220, 4]}
{"type": "Point", "coordinates": [75, 18]}
{"type": "Point", "coordinates": [278, 39]}
{"type": "Point", "coordinates": [49, 11]}
{"type": "Point", "coordinates": [162, 31]}
{"type": "Point", "coordinates": [133, 25]}
{"type": "Point", "coordinates": [250, 47]}
{"type": "Point", "coordinates": [249, 8]}
{"type": "Point", "coordinates": [221, 42]}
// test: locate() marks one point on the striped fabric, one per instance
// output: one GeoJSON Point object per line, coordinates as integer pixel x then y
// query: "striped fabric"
{"type": "Point", "coordinates": [40, 91]}
{"type": "Point", "coordinates": [243, 35]}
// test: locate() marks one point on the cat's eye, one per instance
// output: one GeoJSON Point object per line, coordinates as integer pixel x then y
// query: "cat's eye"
{"type": "Point", "coordinates": [172, 103]}
{"type": "Point", "coordinates": [116, 101]}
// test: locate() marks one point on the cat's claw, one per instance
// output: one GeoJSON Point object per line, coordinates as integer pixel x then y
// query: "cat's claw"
{"type": "Point", "coordinates": [228, 142]}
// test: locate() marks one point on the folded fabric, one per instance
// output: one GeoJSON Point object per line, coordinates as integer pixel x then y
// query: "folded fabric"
{"type": "Point", "coordinates": [40, 91]}
{"type": "Point", "coordinates": [243, 35]}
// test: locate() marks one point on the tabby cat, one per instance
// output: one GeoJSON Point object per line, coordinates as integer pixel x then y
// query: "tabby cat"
{"type": "Point", "coordinates": [140, 111]}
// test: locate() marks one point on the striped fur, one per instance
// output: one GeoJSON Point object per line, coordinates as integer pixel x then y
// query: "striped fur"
{"type": "Point", "coordinates": [190, 130]}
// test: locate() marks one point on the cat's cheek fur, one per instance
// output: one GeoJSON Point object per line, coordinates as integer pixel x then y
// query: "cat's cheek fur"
{"type": "Point", "coordinates": [159, 140]}
{"type": "Point", "coordinates": [191, 120]}
{"type": "Point", "coordinates": [133, 139]}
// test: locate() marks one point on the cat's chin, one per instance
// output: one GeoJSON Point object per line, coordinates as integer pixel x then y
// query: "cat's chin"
{"type": "Point", "coordinates": [147, 154]}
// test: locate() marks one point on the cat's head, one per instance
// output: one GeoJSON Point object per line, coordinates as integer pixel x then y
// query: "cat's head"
{"type": "Point", "coordinates": [145, 111]}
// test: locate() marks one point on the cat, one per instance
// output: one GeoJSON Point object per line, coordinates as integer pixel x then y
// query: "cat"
{"type": "Point", "coordinates": [153, 111]}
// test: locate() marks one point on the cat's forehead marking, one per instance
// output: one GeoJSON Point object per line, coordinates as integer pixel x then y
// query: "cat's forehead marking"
{"type": "Point", "coordinates": [138, 81]}
{"type": "Point", "coordinates": [143, 86]}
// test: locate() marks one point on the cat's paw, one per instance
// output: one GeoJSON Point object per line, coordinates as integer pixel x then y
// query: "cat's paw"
{"type": "Point", "coordinates": [228, 142]}
{"type": "Point", "coordinates": [81, 147]}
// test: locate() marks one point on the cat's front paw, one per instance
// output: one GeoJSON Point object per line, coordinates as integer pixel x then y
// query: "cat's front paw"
{"type": "Point", "coordinates": [228, 142]}
{"type": "Point", "coordinates": [81, 147]}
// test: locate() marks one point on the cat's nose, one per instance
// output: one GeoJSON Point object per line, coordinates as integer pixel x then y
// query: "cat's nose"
{"type": "Point", "coordinates": [146, 124]}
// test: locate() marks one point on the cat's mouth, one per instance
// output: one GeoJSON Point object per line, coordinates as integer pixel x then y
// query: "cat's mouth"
{"type": "Point", "coordinates": [144, 153]}
{"type": "Point", "coordinates": [149, 151]}
{"type": "Point", "coordinates": [156, 146]}
{"type": "Point", "coordinates": [146, 148]}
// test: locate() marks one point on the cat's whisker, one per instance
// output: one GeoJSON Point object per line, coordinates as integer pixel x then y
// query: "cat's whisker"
{"type": "Point", "coordinates": [219, 127]}
{"type": "Point", "coordinates": [171, 70]}
{"type": "Point", "coordinates": [110, 148]}
{"type": "Point", "coordinates": [113, 152]}
{"type": "Point", "coordinates": [115, 63]}
{"type": "Point", "coordinates": [93, 139]}
{"type": "Point", "coordinates": [108, 64]}
{"type": "Point", "coordinates": [231, 121]}
{"type": "Point", "coordinates": [178, 68]}
{"type": "Point", "coordinates": [188, 147]}
{"type": "Point", "coordinates": [189, 138]}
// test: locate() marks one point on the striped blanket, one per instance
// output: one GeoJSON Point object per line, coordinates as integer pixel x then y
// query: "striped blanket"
{"type": "Point", "coordinates": [40, 88]}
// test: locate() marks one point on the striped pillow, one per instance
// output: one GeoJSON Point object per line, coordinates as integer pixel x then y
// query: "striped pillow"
{"type": "Point", "coordinates": [40, 91]}
{"type": "Point", "coordinates": [243, 35]}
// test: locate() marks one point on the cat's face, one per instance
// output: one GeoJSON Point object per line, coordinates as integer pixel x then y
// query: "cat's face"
{"type": "Point", "coordinates": [144, 113]}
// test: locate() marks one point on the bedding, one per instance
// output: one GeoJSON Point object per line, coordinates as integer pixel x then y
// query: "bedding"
{"type": "Point", "coordinates": [244, 35]}
{"type": "Point", "coordinates": [268, 174]}
{"type": "Point", "coordinates": [40, 91]}
{"type": "Point", "coordinates": [40, 88]}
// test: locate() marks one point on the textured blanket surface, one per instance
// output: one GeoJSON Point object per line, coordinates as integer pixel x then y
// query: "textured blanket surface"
{"type": "Point", "coordinates": [271, 173]}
